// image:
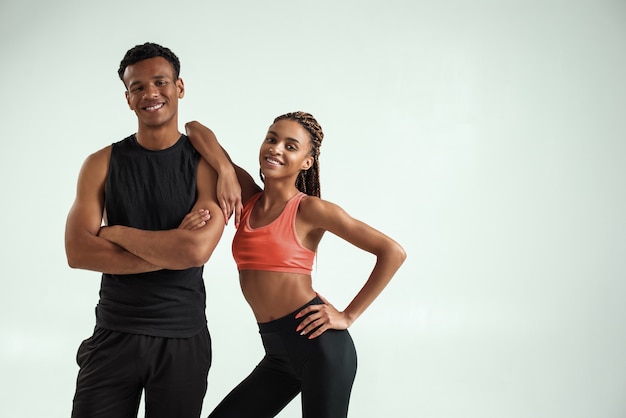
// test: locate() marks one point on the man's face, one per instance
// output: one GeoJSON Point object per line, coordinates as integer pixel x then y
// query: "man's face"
{"type": "Point", "coordinates": [153, 92]}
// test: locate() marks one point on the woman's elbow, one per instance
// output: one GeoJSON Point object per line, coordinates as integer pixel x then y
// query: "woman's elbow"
{"type": "Point", "coordinates": [190, 125]}
{"type": "Point", "coordinates": [402, 253]}
{"type": "Point", "coordinates": [397, 254]}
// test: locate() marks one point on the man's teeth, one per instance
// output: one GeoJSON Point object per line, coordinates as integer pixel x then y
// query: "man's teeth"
{"type": "Point", "coordinates": [155, 107]}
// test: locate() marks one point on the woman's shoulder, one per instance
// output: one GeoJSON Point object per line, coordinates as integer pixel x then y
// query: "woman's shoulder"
{"type": "Point", "coordinates": [313, 206]}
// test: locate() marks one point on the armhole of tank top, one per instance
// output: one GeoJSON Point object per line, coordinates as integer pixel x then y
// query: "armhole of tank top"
{"type": "Point", "coordinates": [248, 211]}
{"type": "Point", "coordinates": [294, 230]}
{"type": "Point", "coordinates": [107, 179]}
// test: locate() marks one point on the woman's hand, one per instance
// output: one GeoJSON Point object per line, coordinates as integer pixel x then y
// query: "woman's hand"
{"type": "Point", "coordinates": [229, 196]}
{"type": "Point", "coordinates": [320, 318]}
{"type": "Point", "coordinates": [195, 220]}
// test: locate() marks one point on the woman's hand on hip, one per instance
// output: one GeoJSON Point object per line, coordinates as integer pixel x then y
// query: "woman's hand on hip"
{"type": "Point", "coordinates": [319, 318]}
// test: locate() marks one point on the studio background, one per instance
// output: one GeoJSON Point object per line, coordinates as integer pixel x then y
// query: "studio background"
{"type": "Point", "coordinates": [487, 137]}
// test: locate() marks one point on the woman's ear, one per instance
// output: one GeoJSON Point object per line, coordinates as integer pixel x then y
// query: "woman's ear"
{"type": "Point", "coordinates": [307, 163]}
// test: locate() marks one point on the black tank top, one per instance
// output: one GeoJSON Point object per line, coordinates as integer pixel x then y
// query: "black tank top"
{"type": "Point", "coordinates": [152, 190]}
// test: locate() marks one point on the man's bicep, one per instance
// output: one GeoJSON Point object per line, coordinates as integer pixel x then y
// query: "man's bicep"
{"type": "Point", "coordinates": [207, 199]}
{"type": "Point", "coordinates": [85, 216]}
{"type": "Point", "coordinates": [88, 207]}
{"type": "Point", "coordinates": [206, 184]}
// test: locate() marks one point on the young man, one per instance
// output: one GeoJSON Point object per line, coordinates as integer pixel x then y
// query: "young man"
{"type": "Point", "coordinates": [151, 332]}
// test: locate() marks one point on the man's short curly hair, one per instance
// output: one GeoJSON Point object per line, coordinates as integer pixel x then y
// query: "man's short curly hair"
{"type": "Point", "coordinates": [146, 51]}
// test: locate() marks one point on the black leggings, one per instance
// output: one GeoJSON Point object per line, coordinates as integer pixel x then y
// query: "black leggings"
{"type": "Point", "coordinates": [322, 368]}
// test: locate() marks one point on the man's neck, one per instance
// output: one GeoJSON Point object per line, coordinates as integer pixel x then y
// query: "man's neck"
{"type": "Point", "coordinates": [157, 138]}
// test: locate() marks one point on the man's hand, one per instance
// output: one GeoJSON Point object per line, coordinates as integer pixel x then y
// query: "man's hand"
{"type": "Point", "coordinates": [195, 220]}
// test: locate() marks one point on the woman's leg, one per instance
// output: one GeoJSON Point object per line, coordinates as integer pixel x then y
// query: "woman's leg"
{"type": "Point", "coordinates": [266, 391]}
{"type": "Point", "coordinates": [328, 375]}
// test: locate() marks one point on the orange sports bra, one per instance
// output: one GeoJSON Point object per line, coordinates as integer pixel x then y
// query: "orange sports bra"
{"type": "Point", "coordinates": [273, 247]}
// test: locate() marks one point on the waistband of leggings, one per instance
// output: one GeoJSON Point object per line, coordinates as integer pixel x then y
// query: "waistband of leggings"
{"type": "Point", "coordinates": [288, 320]}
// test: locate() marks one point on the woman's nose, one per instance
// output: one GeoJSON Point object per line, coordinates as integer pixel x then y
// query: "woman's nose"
{"type": "Point", "coordinates": [274, 149]}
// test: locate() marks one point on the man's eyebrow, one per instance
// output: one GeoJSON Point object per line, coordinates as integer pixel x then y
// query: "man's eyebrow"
{"type": "Point", "coordinates": [156, 77]}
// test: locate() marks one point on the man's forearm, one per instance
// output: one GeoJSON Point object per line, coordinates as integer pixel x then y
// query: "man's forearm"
{"type": "Point", "coordinates": [96, 254]}
{"type": "Point", "coordinates": [174, 249]}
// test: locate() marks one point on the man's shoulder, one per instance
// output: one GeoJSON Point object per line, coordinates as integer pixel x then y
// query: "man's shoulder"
{"type": "Point", "coordinates": [96, 162]}
{"type": "Point", "coordinates": [102, 153]}
{"type": "Point", "coordinates": [128, 140]}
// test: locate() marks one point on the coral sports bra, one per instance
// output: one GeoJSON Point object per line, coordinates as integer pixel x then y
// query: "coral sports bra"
{"type": "Point", "coordinates": [275, 246]}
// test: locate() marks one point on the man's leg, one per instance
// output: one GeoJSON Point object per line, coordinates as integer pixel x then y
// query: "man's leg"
{"type": "Point", "coordinates": [176, 375]}
{"type": "Point", "coordinates": [107, 384]}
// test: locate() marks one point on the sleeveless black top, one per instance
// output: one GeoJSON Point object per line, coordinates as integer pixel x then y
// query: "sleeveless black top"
{"type": "Point", "coordinates": [152, 190]}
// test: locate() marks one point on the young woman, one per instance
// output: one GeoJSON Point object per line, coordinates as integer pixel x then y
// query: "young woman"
{"type": "Point", "coordinates": [308, 348]}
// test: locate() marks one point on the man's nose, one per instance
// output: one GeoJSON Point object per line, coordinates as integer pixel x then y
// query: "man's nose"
{"type": "Point", "coordinates": [151, 91]}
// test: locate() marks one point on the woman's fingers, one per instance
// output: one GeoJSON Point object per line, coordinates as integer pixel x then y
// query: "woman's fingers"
{"type": "Point", "coordinates": [318, 319]}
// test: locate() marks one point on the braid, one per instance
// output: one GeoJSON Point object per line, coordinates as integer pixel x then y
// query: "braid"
{"type": "Point", "coordinates": [309, 180]}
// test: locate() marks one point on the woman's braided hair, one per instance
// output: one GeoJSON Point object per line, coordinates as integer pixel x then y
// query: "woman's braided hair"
{"type": "Point", "coordinates": [309, 180]}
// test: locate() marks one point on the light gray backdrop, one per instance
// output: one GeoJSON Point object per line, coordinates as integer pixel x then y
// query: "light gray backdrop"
{"type": "Point", "coordinates": [486, 136]}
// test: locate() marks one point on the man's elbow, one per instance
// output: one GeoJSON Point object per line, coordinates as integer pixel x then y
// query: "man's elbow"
{"type": "Point", "coordinates": [72, 262]}
{"type": "Point", "coordinates": [200, 255]}
{"type": "Point", "coordinates": [191, 259]}
{"type": "Point", "coordinates": [75, 261]}
{"type": "Point", "coordinates": [199, 261]}
{"type": "Point", "coordinates": [72, 255]}
{"type": "Point", "coordinates": [201, 248]}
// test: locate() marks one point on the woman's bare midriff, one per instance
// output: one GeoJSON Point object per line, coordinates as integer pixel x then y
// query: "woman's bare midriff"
{"type": "Point", "coordinates": [272, 295]}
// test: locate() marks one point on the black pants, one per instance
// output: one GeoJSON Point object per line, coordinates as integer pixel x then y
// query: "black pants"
{"type": "Point", "coordinates": [323, 369]}
{"type": "Point", "coordinates": [116, 367]}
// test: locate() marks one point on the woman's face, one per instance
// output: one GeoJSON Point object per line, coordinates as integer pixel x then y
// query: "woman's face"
{"type": "Point", "coordinates": [286, 150]}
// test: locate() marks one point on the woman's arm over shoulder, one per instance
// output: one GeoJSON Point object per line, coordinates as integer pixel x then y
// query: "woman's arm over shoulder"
{"type": "Point", "coordinates": [205, 142]}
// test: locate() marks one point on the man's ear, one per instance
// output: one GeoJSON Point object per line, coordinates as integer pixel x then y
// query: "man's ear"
{"type": "Point", "coordinates": [128, 100]}
{"type": "Point", "coordinates": [181, 88]}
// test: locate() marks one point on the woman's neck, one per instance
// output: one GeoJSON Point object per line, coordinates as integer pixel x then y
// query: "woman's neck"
{"type": "Point", "coordinates": [274, 193]}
